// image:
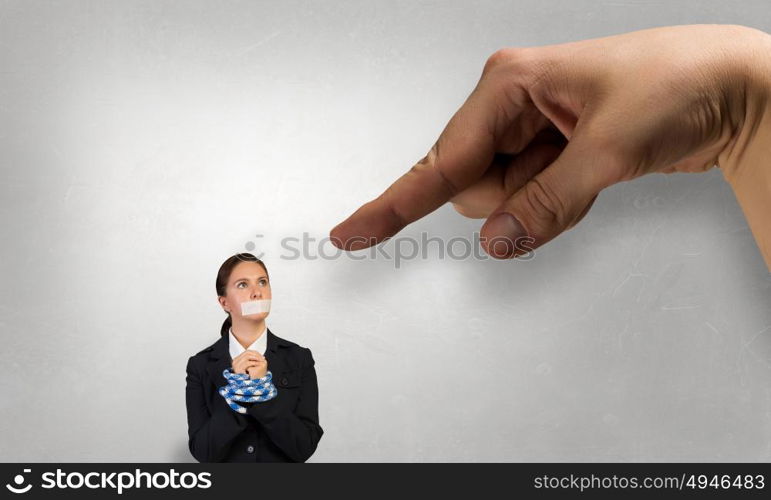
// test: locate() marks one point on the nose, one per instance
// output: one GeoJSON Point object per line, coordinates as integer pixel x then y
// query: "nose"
{"type": "Point", "coordinates": [256, 293]}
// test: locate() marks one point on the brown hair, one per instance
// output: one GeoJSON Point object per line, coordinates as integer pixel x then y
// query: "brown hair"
{"type": "Point", "coordinates": [223, 276]}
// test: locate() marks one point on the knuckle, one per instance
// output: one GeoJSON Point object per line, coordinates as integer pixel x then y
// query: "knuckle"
{"type": "Point", "coordinates": [546, 207]}
{"type": "Point", "coordinates": [429, 164]}
{"type": "Point", "coordinates": [450, 187]}
{"type": "Point", "coordinates": [503, 57]}
{"type": "Point", "coordinates": [397, 218]}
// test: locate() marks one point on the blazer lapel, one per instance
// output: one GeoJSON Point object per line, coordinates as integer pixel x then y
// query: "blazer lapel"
{"type": "Point", "coordinates": [276, 363]}
{"type": "Point", "coordinates": [219, 359]}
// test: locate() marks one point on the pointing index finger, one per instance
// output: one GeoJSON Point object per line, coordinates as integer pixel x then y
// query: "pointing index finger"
{"type": "Point", "coordinates": [462, 153]}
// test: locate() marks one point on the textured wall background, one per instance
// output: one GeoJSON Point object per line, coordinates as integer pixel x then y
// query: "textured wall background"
{"type": "Point", "coordinates": [144, 142]}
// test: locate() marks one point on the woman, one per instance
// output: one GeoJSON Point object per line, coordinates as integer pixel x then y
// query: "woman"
{"type": "Point", "coordinates": [251, 396]}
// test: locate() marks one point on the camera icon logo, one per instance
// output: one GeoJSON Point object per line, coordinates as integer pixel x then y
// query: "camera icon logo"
{"type": "Point", "coordinates": [19, 480]}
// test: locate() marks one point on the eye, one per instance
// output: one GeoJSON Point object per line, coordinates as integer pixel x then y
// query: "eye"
{"type": "Point", "coordinates": [263, 282]}
{"type": "Point", "coordinates": [238, 285]}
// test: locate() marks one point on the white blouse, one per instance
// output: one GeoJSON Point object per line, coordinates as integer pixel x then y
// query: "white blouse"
{"type": "Point", "coordinates": [259, 345]}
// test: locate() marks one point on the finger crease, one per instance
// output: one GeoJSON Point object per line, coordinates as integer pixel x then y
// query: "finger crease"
{"type": "Point", "coordinates": [448, 185]}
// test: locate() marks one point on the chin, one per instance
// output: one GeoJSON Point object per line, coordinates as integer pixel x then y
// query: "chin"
{"type": "Point", "coordinates": [256, 317]}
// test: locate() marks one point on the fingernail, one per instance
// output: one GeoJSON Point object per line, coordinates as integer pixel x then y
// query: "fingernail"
{"type": "Point", "coordinates": [504, 229]}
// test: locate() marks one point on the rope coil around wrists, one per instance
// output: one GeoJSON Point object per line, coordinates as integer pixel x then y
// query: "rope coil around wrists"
{"type": "Point", "coordinates": [242, 388]}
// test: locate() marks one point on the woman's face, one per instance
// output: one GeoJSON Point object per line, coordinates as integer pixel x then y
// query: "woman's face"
{"type": "Point", "coordinates": [248, 281]}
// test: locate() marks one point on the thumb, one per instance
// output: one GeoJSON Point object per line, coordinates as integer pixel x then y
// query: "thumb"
{"type": "Point", "coordinates": [551, 202]}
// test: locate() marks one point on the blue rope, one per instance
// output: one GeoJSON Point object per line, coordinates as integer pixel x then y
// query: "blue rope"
{"type": "Point", "coordinates": [242, 388]}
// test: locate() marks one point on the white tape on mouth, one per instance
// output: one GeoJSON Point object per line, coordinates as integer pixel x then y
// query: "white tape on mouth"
{"type": "Point", "coordinates": [255, 307]}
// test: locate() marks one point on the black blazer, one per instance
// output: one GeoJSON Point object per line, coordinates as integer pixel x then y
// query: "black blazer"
{"type": "Point", "coordinates": [283, 429]}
